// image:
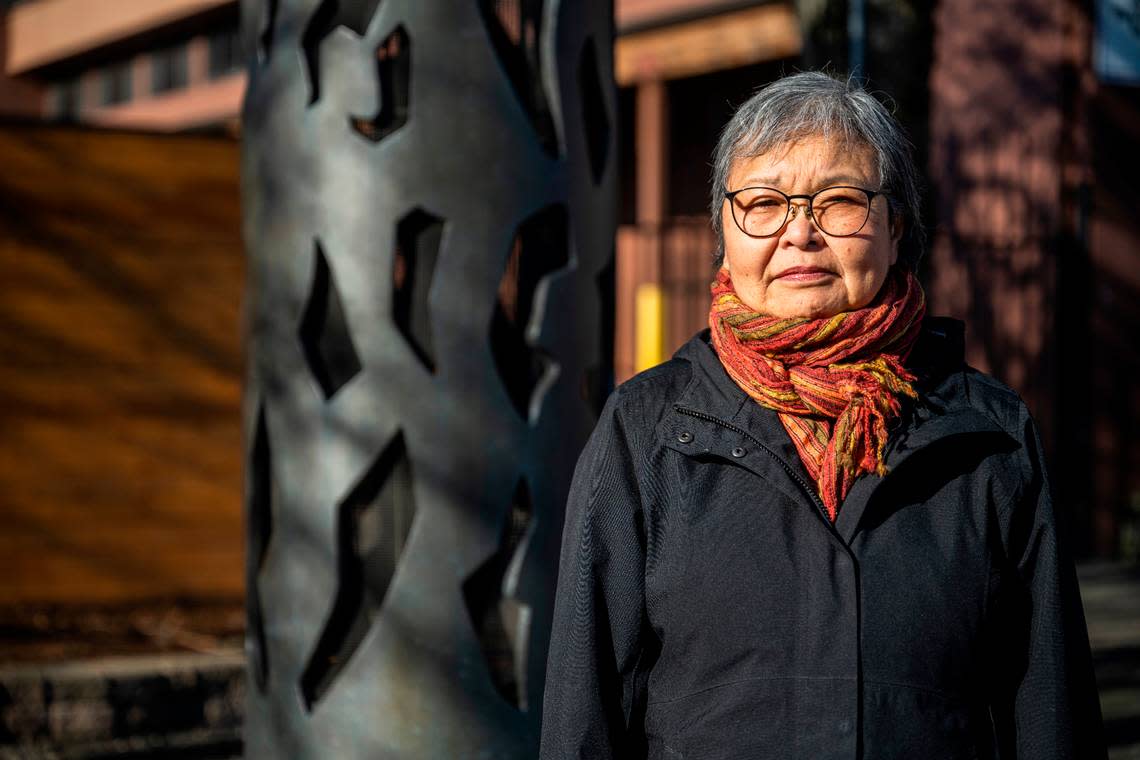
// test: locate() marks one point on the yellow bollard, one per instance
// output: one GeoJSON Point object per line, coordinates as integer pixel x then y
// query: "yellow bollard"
{"type": "Point", "coordinates": [649, 326]}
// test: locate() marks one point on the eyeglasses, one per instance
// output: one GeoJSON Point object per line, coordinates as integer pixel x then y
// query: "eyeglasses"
{"type": "Point", "coordinates": [838, 211]}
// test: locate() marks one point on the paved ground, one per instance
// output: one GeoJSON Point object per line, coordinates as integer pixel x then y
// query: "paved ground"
{"type": "Point", "coordinates": [1111, 595]}
{"type": "Point", "coordinates": [188, 705]}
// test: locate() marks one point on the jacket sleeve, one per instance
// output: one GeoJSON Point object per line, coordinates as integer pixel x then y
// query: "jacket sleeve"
{"type": "Point", "coordinates": [1045, 704]}
{"type": "Point", "coordinates": [592, 679]}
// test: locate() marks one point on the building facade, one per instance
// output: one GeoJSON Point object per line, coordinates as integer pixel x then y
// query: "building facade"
{"type": "Point", "coordinates": [680, 65]}
{"type": "Point", "coordinates": [1024, 118]}
{"type": "Point", "coordinates": [173, 65]}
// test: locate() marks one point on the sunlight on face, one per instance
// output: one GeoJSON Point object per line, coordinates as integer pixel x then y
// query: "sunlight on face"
{"type": "Point", "coordinates": [799, 271]}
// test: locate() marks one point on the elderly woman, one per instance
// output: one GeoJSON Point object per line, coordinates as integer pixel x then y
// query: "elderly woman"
{"type": "Point", "coordinates": [815, 532]}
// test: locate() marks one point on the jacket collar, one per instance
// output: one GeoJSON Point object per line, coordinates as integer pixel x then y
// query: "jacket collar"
{"type": "Point", "coordinates": [723, 421]}
{"type": "Point", "coordinates": [730, 420]}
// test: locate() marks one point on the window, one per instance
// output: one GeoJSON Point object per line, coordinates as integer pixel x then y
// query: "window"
{"type": "Point", "coordinates": [168, 69]}
{"type": "Point", "coordinates": [67, 100]}
{"type": "Point", "coordinates": [116, 81]}
{"type": "Point", "coordinates": [225, 52]}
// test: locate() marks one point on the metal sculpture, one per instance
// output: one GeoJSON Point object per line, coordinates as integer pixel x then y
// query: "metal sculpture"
{"type": "Point", "coordinates": [429, 203]}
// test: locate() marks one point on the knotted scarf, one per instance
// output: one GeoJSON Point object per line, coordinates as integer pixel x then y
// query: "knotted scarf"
{"type": "Point", "coordinates": [835, 382]}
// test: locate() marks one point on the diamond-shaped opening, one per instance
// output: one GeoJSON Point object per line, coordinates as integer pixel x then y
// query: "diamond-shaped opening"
{"type": "Point", "coordinates": [418, 236]}
{"type": "Point", "coordinates": [515, 30]}
{"type": "Point", "coordinates": [502, 622]}
{"type": "Point", "coordinates": [259, 506]}
{"type": "Point", "coordinates": [328, 15]}
{"type": "Point", "coordinates": [539, 249]}
{"type": "Point", "coordinates": [595, 118]}
{"type": "Point", "coordinates": [393, 75]}
{"type": "Point", "coordinates": [598, 380]}
{"type": "Point", "coordinates": [373, 523]}
{"type": "Point", "coordinates": [269, 24]}
{"type": "Point", "coordinates": [324, 335]}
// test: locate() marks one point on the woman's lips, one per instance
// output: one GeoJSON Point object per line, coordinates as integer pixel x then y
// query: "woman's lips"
{"type": "Point", "coordinates": [803, 274]}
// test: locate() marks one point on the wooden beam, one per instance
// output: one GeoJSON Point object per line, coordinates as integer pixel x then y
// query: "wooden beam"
{"type": "Point", "coordinates": [652, 154]}
{"type": "Point", "coordinates": [725, 41]}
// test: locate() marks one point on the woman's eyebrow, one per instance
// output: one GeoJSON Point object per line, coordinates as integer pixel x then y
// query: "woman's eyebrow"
{"type": "Point", "coordinates": [839, 179]}
{"type": "Point", "coordinates": [761, 181]}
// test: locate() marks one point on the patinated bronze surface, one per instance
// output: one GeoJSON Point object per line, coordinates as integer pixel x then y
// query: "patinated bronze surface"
{"type": "Point", "coordinates": [429, 206]}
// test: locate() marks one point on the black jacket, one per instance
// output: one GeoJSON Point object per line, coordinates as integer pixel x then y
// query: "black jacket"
{"type": "Point", "coordinates": [707, 608]}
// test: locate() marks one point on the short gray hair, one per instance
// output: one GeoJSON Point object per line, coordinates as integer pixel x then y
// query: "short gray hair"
{"type": "Point", "coordinates": [814, 104]}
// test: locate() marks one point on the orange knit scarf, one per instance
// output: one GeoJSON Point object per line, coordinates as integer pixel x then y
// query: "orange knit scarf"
{"type": "Point", "coordinates": [835, 382]}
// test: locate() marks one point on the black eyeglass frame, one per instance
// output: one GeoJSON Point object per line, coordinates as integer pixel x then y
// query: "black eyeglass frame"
{"type": "Point", "coordinates": [871, 195]}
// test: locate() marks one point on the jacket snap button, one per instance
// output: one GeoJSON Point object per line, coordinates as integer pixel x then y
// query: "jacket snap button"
{"type": "Point", "coordinates": [738, 452]}
{"type": "Point", "coordinates": [685, 437]}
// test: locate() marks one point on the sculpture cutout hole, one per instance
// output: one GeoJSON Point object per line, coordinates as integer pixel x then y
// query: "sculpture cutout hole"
{"type": "Point", "coordinates": [540, 248]}
{"type": "Point", "coordinates": [355, 15]}
{"type": "Point", "coordinates": [515, 30]}
{"type": "Point", "coordinates": [418, 236]}
{"type": "Point", "coordinates": [595, 119]}
{"type": "Point", "coordinates": [320, 24]}
{"type": "Point", "coordinates": [325, 340]}
{"type": "Point", "coordinates": [330, 14]}
{"type": "Point", "coordinates": [265, 39]}
{"type": "Point", "coordinates": [501, 621]}
{"type": "Point", "coordinates": [373, 524]}
{"type": "Point", "coordinates": [393, 75]}
{"type": "Point", "coordinates": [260, 495]}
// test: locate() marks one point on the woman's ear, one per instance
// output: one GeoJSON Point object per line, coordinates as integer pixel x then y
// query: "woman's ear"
{"type": "Point", "coordinates": [897, 228]}
{"type": "Point", "coordinates": [721, 255]}
{"type": "Point", "coordinates": [897, 225]}
{"type": "Point", "coordinates": [894, 220]}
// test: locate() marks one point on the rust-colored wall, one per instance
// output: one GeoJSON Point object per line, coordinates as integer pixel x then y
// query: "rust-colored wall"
{"type": "Point", "coordinates": [1105, 363]}
{"type": "Point", "coordinates": [1033, 167]}
{"type": "Point", "coordinates": [995, 137]}
{"type": "Point", "coordinates": [674, 257]}
{"type": "Point", "coordinates": [120, 463]}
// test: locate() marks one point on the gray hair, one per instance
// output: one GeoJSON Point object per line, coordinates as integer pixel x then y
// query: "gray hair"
{"type": "Point", "coordinates": [814, 104]}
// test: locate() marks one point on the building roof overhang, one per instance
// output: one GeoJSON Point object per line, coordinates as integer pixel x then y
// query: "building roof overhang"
{"type": "Point", "coordinates": [47, 32]}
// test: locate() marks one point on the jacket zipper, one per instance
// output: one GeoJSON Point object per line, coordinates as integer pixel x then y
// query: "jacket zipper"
{"type": "Point", "coordinates": [795, 476]}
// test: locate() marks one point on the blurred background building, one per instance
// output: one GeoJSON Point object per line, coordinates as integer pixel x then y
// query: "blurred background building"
{"type": "Point", "coordinates": [170, 65]}
{"type": "Point", "coordinates": [122, 268]}
{"type": "Point", "coordinates": [126, 114]}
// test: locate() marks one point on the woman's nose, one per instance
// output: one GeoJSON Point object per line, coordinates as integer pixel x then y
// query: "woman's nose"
{"type": "Point", "coordinates": [801, 230]}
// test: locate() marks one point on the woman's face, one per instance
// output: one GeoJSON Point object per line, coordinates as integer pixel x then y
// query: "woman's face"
{"type": "Point", "coordinates": [799, 271]}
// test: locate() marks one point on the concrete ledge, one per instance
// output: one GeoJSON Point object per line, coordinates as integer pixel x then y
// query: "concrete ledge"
{"type": "Point", "coordinates": [160, 706]}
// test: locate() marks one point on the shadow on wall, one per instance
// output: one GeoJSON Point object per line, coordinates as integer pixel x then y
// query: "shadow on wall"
{"type": "Point", "coordinates": [1028, 172]}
